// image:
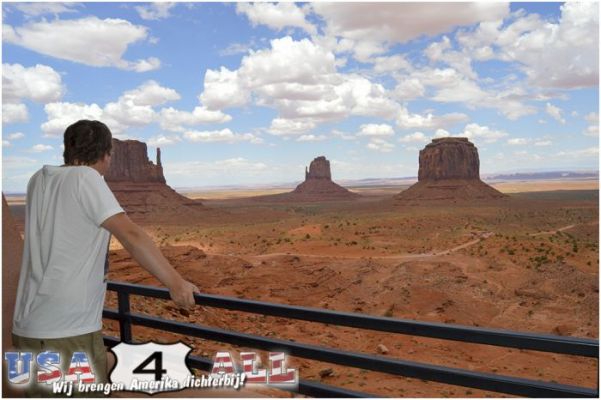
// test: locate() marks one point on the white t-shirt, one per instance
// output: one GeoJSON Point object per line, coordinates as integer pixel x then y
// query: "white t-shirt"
{"type": "Point", "coordinates": [61, 286]}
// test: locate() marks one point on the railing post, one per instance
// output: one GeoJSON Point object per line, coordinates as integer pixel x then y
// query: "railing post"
{"type": "Point", "coordinates": [125, 317]}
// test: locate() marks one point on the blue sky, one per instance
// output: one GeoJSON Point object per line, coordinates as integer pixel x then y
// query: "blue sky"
{"type": "Point", "coordinates": [241, 93]}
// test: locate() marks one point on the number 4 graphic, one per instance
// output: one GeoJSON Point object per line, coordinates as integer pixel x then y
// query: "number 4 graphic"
{"type": "Point", "coordinates": [139, 365]}
{"type": "Point", "coordinates": [158, 371]}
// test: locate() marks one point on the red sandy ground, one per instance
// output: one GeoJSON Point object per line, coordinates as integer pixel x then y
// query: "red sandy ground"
{"type": "Point", "coordinates": [518, 264]}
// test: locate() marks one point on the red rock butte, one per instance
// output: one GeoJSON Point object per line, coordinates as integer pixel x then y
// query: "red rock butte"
{"type": "Point", "coordinates": [449, 169]}
{"type": "Point", "coordinates": [140, 187]}
{"type": "Point", "coordinates": [318, 184]}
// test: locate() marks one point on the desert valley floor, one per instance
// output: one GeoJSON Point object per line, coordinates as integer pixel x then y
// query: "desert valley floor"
{"type": "Point", "coordinates": [528, 262]}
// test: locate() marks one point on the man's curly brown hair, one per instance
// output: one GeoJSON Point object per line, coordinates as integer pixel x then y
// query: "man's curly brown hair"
{"type": "Point", "coordinates": [86, 142]}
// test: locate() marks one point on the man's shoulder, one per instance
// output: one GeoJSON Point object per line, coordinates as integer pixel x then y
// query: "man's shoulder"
{"type": "Point", "coordinates": [85, 171]}
{"type": "Point", "coordinates": [82, 173]}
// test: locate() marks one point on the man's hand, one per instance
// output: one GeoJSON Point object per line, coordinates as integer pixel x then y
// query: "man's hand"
{"type": "Point", "coordinates": [182, 293]}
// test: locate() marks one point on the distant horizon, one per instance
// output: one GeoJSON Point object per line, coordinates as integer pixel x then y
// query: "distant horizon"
{"type": "Point", "coordinates": [291, 184]}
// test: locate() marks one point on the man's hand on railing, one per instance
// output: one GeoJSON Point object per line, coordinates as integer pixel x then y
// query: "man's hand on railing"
{"type": "Point", "coordinates": [182, 293]}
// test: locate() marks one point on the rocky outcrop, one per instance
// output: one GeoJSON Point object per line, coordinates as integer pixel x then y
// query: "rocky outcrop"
{"type": "Point", "coordinates": [449, 169]}
{"type": "Point", "coordinates": [140, 187]}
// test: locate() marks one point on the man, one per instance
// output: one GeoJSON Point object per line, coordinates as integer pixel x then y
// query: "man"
{"type": "Point", "coordinates": [70, 215]}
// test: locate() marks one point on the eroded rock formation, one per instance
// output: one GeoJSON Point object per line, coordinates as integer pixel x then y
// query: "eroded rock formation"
{"type": "Point", "coordinates": [140, 187]}
{"type": "Point", "coordinates": [130, 163]}
{"type": "Point", "coordinates": [449, 169]}
{"type": "Point", "coordinates": [318, 184]}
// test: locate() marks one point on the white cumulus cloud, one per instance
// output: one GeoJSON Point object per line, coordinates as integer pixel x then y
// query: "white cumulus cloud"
{"type": "Point", "coordinates": [408, 120]}
{"type": "Point", "coordinates": [175, 120]}
{"type": "Point", "coordinates": [536, 44]}
{"type": "Point", "coordinates": [288, 127]}
{"type": "Point", "coordinates": [298, 78]}
{"type": "Point", "coordinates": [276, 15]}
{"type": "Point", "coordinates": [375, 130]}
{"type": "Point", "coordinates": [163, 140]}
{"type": "Point", "coordinates": [488, 135]}
{"type": "Point", "coordinates": [134, 107]}
{"type": "Point", "coordinates": [90, 40]}
{"type": "Point", "coordinates": [39, 83]}
{"type": "Point", "coordinates": [61, 115]}
{"type": "Point", "coordinates": [13, 113]}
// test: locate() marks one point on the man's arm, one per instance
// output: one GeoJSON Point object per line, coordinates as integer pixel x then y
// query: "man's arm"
{"type": "Point", "coordinates": [144, 251]}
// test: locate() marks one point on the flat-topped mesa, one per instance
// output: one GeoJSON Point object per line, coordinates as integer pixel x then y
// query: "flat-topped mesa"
{"type": "Point", "coordinates": [449, 169]}
{"type": "Point", "coordinates": [130, 163]}
{"type": "Point", "coordinates": [449, 158]}
{"type": "Point", "coordinates": [319, 169]}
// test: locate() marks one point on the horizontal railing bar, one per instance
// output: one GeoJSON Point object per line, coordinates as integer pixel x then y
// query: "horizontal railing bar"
{"type": "Point", "coordinates": [305, 387]}
{"type": "Point", "coordinates": [453, 376]}
{"type": "Point", "coordinates": [497, 337]}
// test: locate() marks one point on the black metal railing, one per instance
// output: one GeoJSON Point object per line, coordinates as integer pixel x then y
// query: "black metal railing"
{"type": "Point", "coordinates": [454, 376]}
